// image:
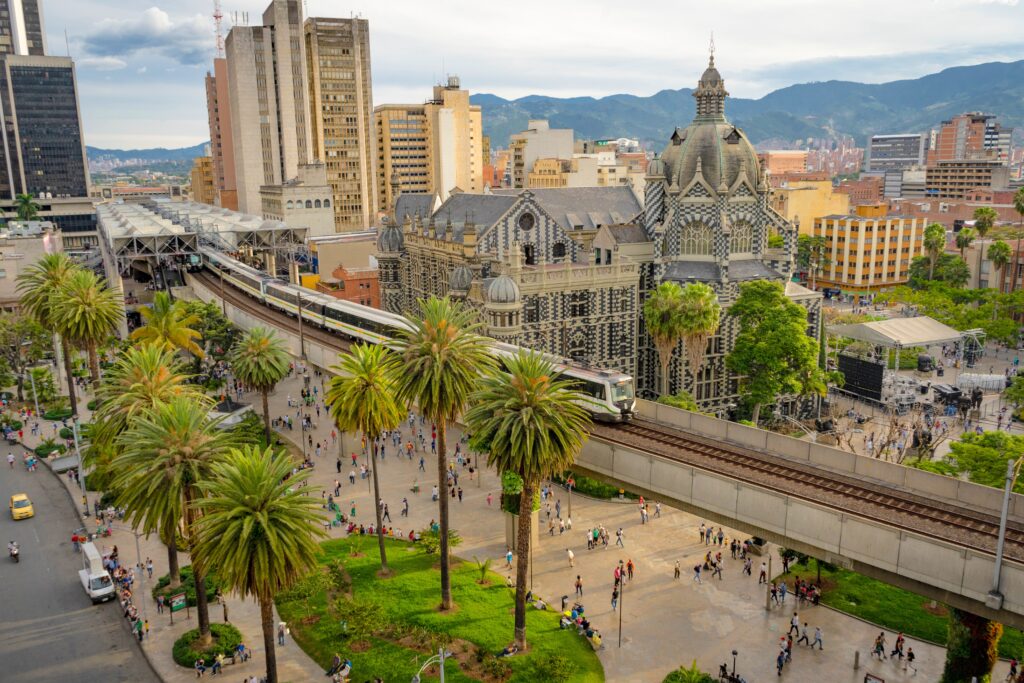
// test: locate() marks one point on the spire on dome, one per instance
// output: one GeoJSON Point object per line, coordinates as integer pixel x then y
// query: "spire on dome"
{"type": "Point", "coordinates": [710, 93]}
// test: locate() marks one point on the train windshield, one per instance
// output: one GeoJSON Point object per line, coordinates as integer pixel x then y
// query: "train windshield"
{"type": "Point", "coordinates": [622, 391]}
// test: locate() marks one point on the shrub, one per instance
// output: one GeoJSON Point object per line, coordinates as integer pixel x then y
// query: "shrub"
{"type": "Point", "coordinates": [66, 433]}
{"type": "Point", "coordinates": [49, 446]}
{"type": "Point", "coordinates": [57, 414]}
{"type": "Point", "coordinates": [496, 667]}
{"type": "Point", "coordinates": [688, 675]}
{"type": "Point", "coordinates": [188, 586]}
{"type": "Point", "coordinates": [93, 404]}
{"type": "Point", "coordinates": [555, 667]}
{"type": "Point", "coordinates": [430, 540]}
{"type": "Point", "coordinates": [225, 639]}
{"type": "Point", "coordinates": [593, 487]}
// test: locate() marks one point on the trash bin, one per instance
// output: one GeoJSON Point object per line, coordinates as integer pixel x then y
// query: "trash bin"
{"type": "Point", "coordinates": [565, 602]}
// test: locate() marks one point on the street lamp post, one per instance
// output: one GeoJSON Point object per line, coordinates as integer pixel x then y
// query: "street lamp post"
{"type": "Point", "coordinates": [302, 338]}
{"type": "Point", "coordinates": [439, 659]}
{"type": "Point", "coordinates": [622, 594]}
{"type": "Point", "coordinates": [35, 396]}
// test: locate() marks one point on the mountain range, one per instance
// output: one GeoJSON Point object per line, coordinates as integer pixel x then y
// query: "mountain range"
{"type": "Point", "coordinates": [797, 112]}
{"type": "Point", "coordinates": [810, 110]}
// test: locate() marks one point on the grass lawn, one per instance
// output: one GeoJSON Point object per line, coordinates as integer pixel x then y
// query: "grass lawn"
{"type": "Point", "coordinates": [890, 607]}
{"type": "Point", "coordinates": [392, 624]}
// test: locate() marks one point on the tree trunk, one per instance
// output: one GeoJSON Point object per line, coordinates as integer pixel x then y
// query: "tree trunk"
{"type": "Point", "coordinates": [172, 563]}
{"type": "Point", "coordinates": [21, 387]}
{"type": "Point", "coordinates": [971, 647]}
{"type": "Point", "coordinates": [266, 417]}
{"type": "Point", "coordinates": [757, 413]}
{"type": "Point", "coordinates": [931, 267]}
{"type": "Point", "coordinates": [523, 560]}
{"type": "Point", "coordinates": [442, 514]}
{"type": "Point", "coordinates": [202, 602]}
{"type": "Point", "coordinates": [267, 622]}
{"type": "Point", "coordinates": [666, 361]}
{"type": "Point", "coordinates": [376, 504]}
{"type": "Point", "coordinates": [73, 401]}
{"type": "Point", "coordinates": [94, 365]}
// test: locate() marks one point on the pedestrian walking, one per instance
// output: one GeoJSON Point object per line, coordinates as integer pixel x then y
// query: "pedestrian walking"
{"type": "Point", "coordinates": [803, 636]}
{"type": "Point", "coordinates": [629, 569]}
{"type": "Point", "coordinates": [387, 513]}
{"type": "Point", "coordinates": [572, 557]}
{"type": "Point", "coordinates": [615, 598]}
{"type": "Point", "coordinates": [676, 571]}
{"type": "Point", "coordinates": [818, 639]}
{"type": "Point", "coordinates": [282, 630]}
{"type": "Point", "coordinates": [508, 557]}
{"type": "Point", "coordinates": [159, 604]}
{"type": "Point", "coordinates": [405, 507]}
{"type": "Point", "coordinates": [910, 660]}
{"type": "Point", "coordinates": [879, 647]}
{"type": "Point", "coordinates": [897, 650]}
{"type": "Point", "coordinates": [696, 573]}
{"type": "Point", "coordinates": [149, 567]}
{"type": "Point", "coordinates": [780, 661]}
{"type": "Point", "coordinates": [618, 538]}
{"type": "Point", "coordinates": [579, 586]}
{"type": "Point", "coordinates": [794, 624]}
{"type": "Point", "coordinates": [489, 499]}
{"type": "Point", "coordinates": [763, 576]}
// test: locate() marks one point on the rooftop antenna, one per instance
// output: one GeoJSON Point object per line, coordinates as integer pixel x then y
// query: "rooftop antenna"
{"type": "Point", "coordinates": [218, 24]}
{"type": "Point", "coordinates": [67, 43]}
{"type": "Point", "coordinates": [711, 48]}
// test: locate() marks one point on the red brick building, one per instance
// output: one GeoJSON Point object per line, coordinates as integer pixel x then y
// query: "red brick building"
{"type": "Point", "coordinates": [866, 190]}
{"type": "Point", "coordinates": [358, 285]}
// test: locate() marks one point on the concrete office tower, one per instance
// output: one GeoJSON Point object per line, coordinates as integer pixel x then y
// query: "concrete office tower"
{"type": "Point", "coordinates": [538, 141]}
{"type": "Point", "coordinates": [430, 148]}
{"type": "Point", "coordinates": [895, 152]}
{"type": "Point", "coordinates": [268, 101]}
{"type": "Point", "coordinates": [341, 110]}
{"type": "Point", "coordinates": [43, 150]}
{"type": "Point", "coordinates": [21, 28]}
{"type": "Point", "coordinates": [222, 148]}
{"type": "Point", "coordinates": [971, 136]}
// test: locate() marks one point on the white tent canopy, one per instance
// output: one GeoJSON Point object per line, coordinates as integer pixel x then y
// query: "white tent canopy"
{"type": "Point", "coordinates": [899, 332]}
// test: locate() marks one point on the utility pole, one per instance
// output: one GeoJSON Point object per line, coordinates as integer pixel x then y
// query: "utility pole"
{"type": "Point", "coordinates": [302, 338]}
{"type": "Point", "coordinates": [35, 396]}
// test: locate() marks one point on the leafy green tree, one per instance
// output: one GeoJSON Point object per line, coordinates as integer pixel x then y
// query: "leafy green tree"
{"type": "Point", "coordinates": [529, 422]}
{"type": "Point", "coordinates": [38, 286]}
{"type": "Point", "coordinates": [700, 313]}
{"type": "Point", "coordinates": [999, 255]}
{"type": "Point", "coordinates": [23, 342]}
{"type": "Point", "coordinates": [1014, 393]}
{"type": "Point", "coordinates": [170, 325]}
{"type": "Point", "coordinates": [682, 399]}
{"type": "Point", "coordinates": [217, 332]}
{"type": "Point", "coordinates": [1018, 206]}
{"type": "Point", "coordinates": [260, 360]}
{"type": "Point", "coordinates": [812, 255]}
{"type": "Point", "coordinates": [982, 457]}
{"type": "Point", "coordinates": [46, 388]}
{"type": "Point", "coordinates": [166, 453]}
{"type": "Point", "coordinates": [26, 207]}
{"type": "Point", "coordinates": [964, 239]}
{"type": "Point", "coordinates": [773, 350]}
{"type": "Point", "coordinates": [689, 674]}
{"type": "Point", "coordinates": [972, 647]}
{"type": "Point", "coordinates": [363, 397]}
{"type": "Point", "coordinates": [984, 218]}
{"type": "Point", "coordinates": [947, 268]}
{"type": "Point", "coordinates": [258, 531]}
{"type": "Point", "coordinates": [442, 358]}
{"type": "Point", "coordinates": [934, 243]}
{"type": "Point", "coordinates": [663, 316]}
{"type": "Point", "coordinates": [87, 313]}
{"type": "Point", "coordinates": [776, 241]}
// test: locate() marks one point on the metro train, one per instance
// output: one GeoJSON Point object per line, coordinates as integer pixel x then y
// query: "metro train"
{"type": "Point", "coordinates": [611, 395]}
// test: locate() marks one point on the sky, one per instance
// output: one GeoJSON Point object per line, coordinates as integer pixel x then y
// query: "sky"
{"type": "Point", "coordinates": [141, 63]}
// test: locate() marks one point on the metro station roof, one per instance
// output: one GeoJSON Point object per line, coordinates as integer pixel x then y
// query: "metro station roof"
{"type": "Point", "coordinates": [899, 332]}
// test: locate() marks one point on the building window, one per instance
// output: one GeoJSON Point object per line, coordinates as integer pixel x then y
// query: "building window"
{"type": "Point", "coordinates": [327, 203]}
{"type": "Point", "coordinates": [579, 304]}
{"type": "Point", "coordinates": [529, 254]}
{"type": "Point", "coordinates": [309, 204]}
{"type": "Point", "coordinates": [526, 221]}
{"type": "Point", "coordinates": [742, 239]}
{"type": "Point", "coordinates": [291, 204]}
{"type": "Point", "coordinates": [531, 311]}
{"type": "Point", "coordinates": [696, 239]}
{"type": "Point", "coordinates": [316, 204]}
{"type": "Point", "coordinates": [558, 251]}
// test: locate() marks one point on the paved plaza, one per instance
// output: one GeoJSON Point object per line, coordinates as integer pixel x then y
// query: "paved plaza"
{"type": "Point", "coordinates": [665, 622]}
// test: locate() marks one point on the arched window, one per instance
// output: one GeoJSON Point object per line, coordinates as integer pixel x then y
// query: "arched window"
{"type": "Point", "coordinates": [291, 204]}
{"type": "Point", "coordinates": [316, 204]}
{"type": "Point", "coordinates": [558, 250]}
{"type": "Point", "coordinates": [696, 240]}
{"type": "Point", "coordinates": [327, 203]}
{"type": "Point", "coordinates": [742, 239]}
{"type": "Point", "coordinates": [309, 204]}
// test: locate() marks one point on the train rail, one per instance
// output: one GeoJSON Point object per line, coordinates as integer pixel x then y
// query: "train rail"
{"type": "Point", "coordinates": [876, 501]}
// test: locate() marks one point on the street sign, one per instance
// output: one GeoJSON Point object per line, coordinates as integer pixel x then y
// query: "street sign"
{"type": "Point", "coordinates": [178, 602]}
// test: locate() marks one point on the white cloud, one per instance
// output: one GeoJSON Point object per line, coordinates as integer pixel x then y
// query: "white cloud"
{"type": "Point", "coordinates": [188, 40]}
{"type": "Point", "coordinates": [101, 63]}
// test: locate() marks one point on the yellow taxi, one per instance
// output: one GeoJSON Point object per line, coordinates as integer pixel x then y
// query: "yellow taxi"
{"type": "Point", "coordinates": [21, 507]}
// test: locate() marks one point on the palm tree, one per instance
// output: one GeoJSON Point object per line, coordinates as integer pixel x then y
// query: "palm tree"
{"type": "Point", "coordinates": [26, 207]}
{"type": "Point", "coordinates": [260, 360]}
{"type": "Point", "coordinates": [663, 316]}
{"type": "Point", "coordinates": [442, 358]}
{"type": "Point", "coordinates": [1018, 206]}
{"type": "Point", "coordinates": [166, 453]}
{"type": "Point", "coordinates": [530, 422]}
{"type": "Point", "coordinates": [964, 238]}
{"type": "Point", "coordinates": [362, 396]}
{"type": "Point", "coordinates": [37, 286]}
{"type": "Point", "coordinates": [934, 243]}
{"type": "Point", "coordinates": [169, 325]}
{"type": "Point", "coordinates": [700, 313]}
{"type": "Point", "coordinates": [999, 255]}
{"type": "Point", "coordinates": [984, 218]}
{"type": "Point", "coordinates": [87, 313]}
{"type": "Point", "coordinates": [142, 378]}
{"type": "Point", "coordinates": [257, 531]}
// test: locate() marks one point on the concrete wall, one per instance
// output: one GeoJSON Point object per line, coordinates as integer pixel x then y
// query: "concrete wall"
{"type": "Point", "coordinates": [927, 484]}
{"type": "Point", "coordinates": [943, 571]}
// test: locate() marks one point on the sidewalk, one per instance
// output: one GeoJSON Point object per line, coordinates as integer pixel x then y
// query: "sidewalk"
{"type": "Point", "coordinates": [292, 663]}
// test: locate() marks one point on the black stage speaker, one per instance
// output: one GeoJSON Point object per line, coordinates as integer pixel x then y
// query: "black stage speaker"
{"type": "Point", "coordinates": [863, 377]}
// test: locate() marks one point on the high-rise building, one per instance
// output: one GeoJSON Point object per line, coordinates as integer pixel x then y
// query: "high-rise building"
{"type": "Point", "coordinates": [268, 100]}
{"type": "Point", "coordinates": [895, 152]}
{"type": "Point", "coordinates": [785, 161]}
{"type": "Point", "coordinates": [430, 148]}
{"type": "Point", "coordinates": [21, 28]}
{"type": "Point", "coordinates": [337, 53]}
{"type": "Point", "coordinates": [969, 137]}
{"type": "Point", "coordinates": [203, 182]}
{"type": "Point", "coordinates": [955, 179]}
{"type": "Point", "coordinates": [538, 141]}
{"type": "Point", "coordinates": [43, 150]}
{"type": "Point", "coordinates": [222, 148]}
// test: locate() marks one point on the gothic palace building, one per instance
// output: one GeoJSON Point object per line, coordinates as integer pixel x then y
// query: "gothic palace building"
{"type": "Point", "coordinates": [567, 270]}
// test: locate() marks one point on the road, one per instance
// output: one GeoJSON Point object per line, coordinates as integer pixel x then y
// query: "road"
{"type": "Point", "coordinates": [49, 629]}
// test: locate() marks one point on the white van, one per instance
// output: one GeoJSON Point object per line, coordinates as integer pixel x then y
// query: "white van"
{"type": "Point", "coordinates": [95, 578]}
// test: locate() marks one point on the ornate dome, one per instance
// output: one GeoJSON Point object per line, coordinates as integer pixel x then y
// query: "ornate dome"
{"type": "Point", "coordinates": [460, 279]}
{"type": "Point", "coordinates": [503, 290]}
{"type": "Point", "coordinates": [718, 147]}
{"type": "Point", "coordinates": [390, 239]}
